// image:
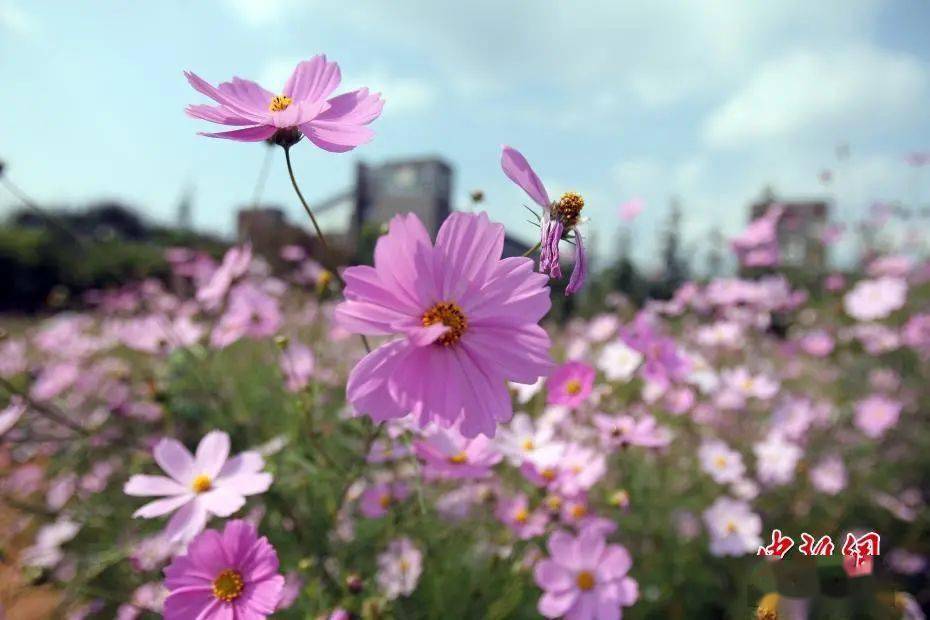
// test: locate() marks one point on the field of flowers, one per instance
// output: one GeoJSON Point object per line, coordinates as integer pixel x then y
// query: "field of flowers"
{"type": "Point", "coordinates": [417, 439]}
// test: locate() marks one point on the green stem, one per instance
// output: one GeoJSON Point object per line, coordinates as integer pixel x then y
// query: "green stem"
{"type": "Point", "coordinates": [532, 249]}
{"type": "Point", "coordinates": [44, 410]}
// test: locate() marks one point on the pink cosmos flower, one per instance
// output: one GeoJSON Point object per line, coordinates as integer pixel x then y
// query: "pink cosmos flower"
{"type": "Point", "coordinates": [447, 454]}
{"type": "Point", "coordinates": [297, 363]}
{"type": "Point", "coordinates": [233, 574]}
{"type": "Point", "coordinates": [252, 312]}
{"type": "Point", "coordinates": [302, 109]}
{"type": "Point", "coordinates": [11, 414]}
{"type": "Point", "coordinates": [875, 299]}
{"type": "Point", "coordinates": [235, 264]}
{"type": "Point", "coordinates": [399, 568]}
{"type": "Point", "coordinates": [206, 483]}
{"type": "Point", "coordinates": [517, 515]}
{"type": "Point", "coordinates": [467, 321]}
{"type": "Point", "coordinates": [876, 414]}
{"type": "Point", "coordinates": [829, 475]}
{"type": "Point", "coordinates": [630, 209]}
{"type": "Point", "coordinates": [818, 343]}
{"type": "Point", "coordinates": [559, 219]}
{"type": "Point", "coordinates": [54, 379]}
{"type": "Point", "coordinates": [585, 578]}
{"type": "Point", "coordinates": [734, 529]}
{"type": "Point", "coordinates": [624, 430]}
{"type": "Point", "coordinates": [776, 459]}
{"type": "Point", "coordinates": [570, 384]}
{"type": "Point", "coordinates": [376, 499]}
{"type": "Point", "coordinates": [720, 462]}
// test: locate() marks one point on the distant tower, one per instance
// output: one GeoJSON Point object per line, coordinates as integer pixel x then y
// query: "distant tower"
{"type": "Point", "coordinates": [185, 208]}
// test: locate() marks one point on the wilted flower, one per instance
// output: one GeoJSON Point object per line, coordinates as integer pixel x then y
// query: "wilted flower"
{"type": "Point", "coordinates": [559, 219]}
{"type": "Point", "coordinates": [301, 109]}
{"type": "Point", "coordinates": [468, 322]}
{"type": "Point", "coordinates": [199, 485]}
{"type": "Point", "coordinates": [584, 578]}
{"type": "Point", "coordinates": [233, 574]}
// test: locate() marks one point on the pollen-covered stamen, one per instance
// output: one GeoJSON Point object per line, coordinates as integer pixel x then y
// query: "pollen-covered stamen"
{"type": "Point", "coordinates": [585, 580]}
{"type": "Point", "coordinates": [573, 387]}
{"type": "Point", "coordinates": [228, 585]}
{"type": "Point", "coordinates": [568, 209]}
{"type": "Point", "coordinates": [279, 103]}
{"type": "Point", "coordinates": [458, 458]}
{"type": "Point", "coordinates": [449, 314]}
{"type": "Point", "coordinates": [202, 484]}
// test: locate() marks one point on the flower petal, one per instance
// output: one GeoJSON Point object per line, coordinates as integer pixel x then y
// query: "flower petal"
{"type": "Point", "coordinates": [313, 80]}
{"type": "Point", "coordinates": [175, 460]}
{"type": "Point", "coordinates": [520, 172]}
{"type": "Point", "coordinates": [141, 486]}
{"type": "Point", "coordinates": [212, 452]}
{"type": "Point", "coordinates": [162, 507]}
{"type": "Point", "coordinates": [249, 134]}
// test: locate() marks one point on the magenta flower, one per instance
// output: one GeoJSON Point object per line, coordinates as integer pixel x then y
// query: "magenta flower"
{"type": "Point", "coordinates": [224, 576]}
{"type": "Point", "coordinates": [252, 312]}
{"type": "Point", "coordinates": [301, 109]}
{"type": "Point", "coordinates": [585, 578]}
{"type": "Point", "coordinates": [570, 384]}
{"type": "Point", "coordinates": [467, 321]}
{"type": "Point", "coordinates": [559, 219]}
{"type": "Point", "coordinates": [206, 483]}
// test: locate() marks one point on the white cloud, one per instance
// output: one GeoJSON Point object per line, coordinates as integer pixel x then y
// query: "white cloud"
{"type": "Point", "coordinates": [831, 93]}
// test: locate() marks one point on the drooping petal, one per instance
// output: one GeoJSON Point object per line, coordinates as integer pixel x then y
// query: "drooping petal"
{"type": "Point", "coordinates": [313, 80]}
{"type": "Point", "coordinates": [249, 134]}
{"type": "Point", "coordinates": [142, 486]}
{"type": "Point", "coordinates": [175, 460]}
{"type": "Point", "coordinates": [581, 267]}
{"type": "Point", "coordinates": [162, 507]}
{"type": "Point", "coordinates": [520, 172]}
{"type": "Point", "coordinates": [212, 452]}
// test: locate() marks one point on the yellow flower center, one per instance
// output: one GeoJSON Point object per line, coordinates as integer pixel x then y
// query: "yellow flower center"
{"type": "Point", "coordinates": [730, 528]}
{"type": "Point", "coordinates": [548, 474]}
{"type": "Point", "coordinates": [228, 585]}
{"type": "Point", "coordinates": [573, 387]}
{"type": "Point", "coordinates": [568, 209]}
{"type": "Point", "coordinates": [579, 511]}
{"type": "Point", "coordinates": [279, 103]}
{"type": "Point", "coordinates": [459, 458]}
{"type": "Point", "coordinates": [554, 502]}
{"type": "Point", "coordinates": [521, 516]}
{"type": "Point", "coordinates": [202, 484]}
{"type": "Point", "coordinates": [384, 501]}
{"type": "Point", "coordinates": [528, 445]}
{"type": "Point", "coordinates": [720, 462]}
{"type": "Point", "coordinates": [585, 580]}
{"type": "Point", "coordinates": [449, 314]}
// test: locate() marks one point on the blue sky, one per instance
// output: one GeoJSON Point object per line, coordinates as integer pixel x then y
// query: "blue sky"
{"type": "Point", "coordinates": [708, 101]}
